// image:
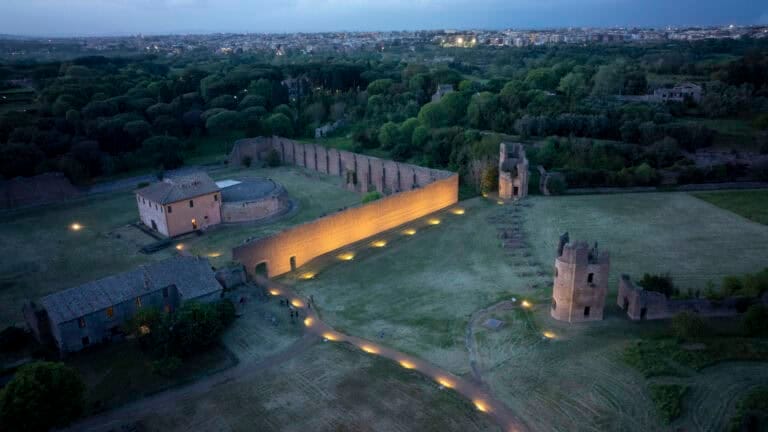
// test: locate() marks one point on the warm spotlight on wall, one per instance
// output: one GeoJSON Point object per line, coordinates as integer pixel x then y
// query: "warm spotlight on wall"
{"type": "Point", "coordinates": [409, 231]}
{"type": "Point", "coordinates": [458, 211]}
{"type": "Point", "coordinates": [379, 243]}
{"type": "Point", "coordinates": [434, 221]}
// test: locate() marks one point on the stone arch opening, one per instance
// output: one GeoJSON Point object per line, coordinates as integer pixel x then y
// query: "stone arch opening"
{"type": "Point", "coordinates": [262, 269]}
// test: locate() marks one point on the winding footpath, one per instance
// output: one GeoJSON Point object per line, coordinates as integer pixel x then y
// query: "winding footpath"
{"type": "Point", "coordinates": [483, 400]}
{"type": "Point", "coordinates": [315, 330]}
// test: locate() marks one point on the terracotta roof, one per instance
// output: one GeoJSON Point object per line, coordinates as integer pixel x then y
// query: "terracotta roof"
{"type": "Point", "coordinates": [192, 276]}
{"type": "Point", "coordinates": [179, 188]}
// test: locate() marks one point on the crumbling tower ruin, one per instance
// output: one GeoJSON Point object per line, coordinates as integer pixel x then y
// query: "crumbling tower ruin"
{"type": "Point", "coordinates": [513, 171]}
{"type": "Point", "coordinates": [581, 282]}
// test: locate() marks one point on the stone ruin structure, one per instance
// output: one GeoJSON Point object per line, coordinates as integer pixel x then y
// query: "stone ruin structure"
{"type": "Point", "coordinates": [513, 171]}
{"type": "Point", "coordinates": [641, 304]}
{"type": "Point", "coordinates": [411, 192]}
{"type": "Point", "coordinates": [581, 282]}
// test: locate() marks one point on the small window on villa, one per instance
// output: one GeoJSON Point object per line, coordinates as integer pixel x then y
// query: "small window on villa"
{"type": "Point", "coordinates": [110, 312]}
{"type": "Point", "coordinates": [586, 311]}
{"type": "Point", "coordinates": [215, 197]}
{"type": "Point", "coordinates": [170, 209]}
{"type": "Point", "coordinates": [191, 203]}
{"type": "Point", "coordinates": [554, 304]}
{"type": "Point", "coordinates": [81, 322]}
{"type": "Point", "coordinates": [591, 277]}
{"type": "Point", "coordinates": [165, 292]}
{"type": "Point", "coordinates": [138, 302]}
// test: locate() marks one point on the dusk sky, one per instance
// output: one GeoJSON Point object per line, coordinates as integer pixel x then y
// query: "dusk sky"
{"type": "Point", "coordinates": [104, 17]}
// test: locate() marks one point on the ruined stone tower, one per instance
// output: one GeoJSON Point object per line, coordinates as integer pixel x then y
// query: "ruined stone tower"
{"type": "Point", "coordinates": [513, 171]}
{"type": "Point", "coordinates": [581, 282]}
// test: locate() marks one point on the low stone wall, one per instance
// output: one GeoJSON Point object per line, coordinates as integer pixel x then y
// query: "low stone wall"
{"type": "Point", "coordinates": [275, 203]}
{"type": "Point", "coordinates": [413, 192]}
{"type": "Point", "coordinates": [641, 304]}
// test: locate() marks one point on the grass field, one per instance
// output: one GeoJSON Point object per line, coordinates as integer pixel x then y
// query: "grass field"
{"type": "Point", "coordinates": [327, 388]}
{"type": "Point", "coordinates": [693, 240]}
{"type": "Point", "coordinates": [752, 204]}
{"type": "Point", "coordinates": [42, 255]}
{"type": "Point", "coordinates": [420, 291]}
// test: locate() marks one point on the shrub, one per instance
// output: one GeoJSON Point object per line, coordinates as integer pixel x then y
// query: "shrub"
{"type": "Point", "coordinates": [371, 196]}
{"type": "Point", "coordinates": [12, 339]}
{"type": "Point", "coordinates": [658, 283]}
{"type": "Point", "coordinates": [755, 320]}
{"type": "Point", "coordinates": [668, 399]}
{"type": "Point", "coordinates": [41, 396]}
{"type": "Point", "coordinates": [751, 411]}
{"type": "Point", "coordinates": [557, 185]}
{"type": "Point", "coordinates": [273, 158]}
{"type": "Point", "coordinates": [490, 180]}
{"type": "Point", "coordinates": [688, 325]}
{"type": "Point", "coordinates": [167, 366]}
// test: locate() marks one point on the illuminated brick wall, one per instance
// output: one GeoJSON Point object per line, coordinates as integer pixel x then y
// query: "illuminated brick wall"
{"type": "Point", "coordinates": [414, 192]}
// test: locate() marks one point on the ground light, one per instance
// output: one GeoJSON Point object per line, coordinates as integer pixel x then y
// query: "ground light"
{"type": "Point", "coordinates": [346, 256]}
{"type": "Point", "coordinates": [379, 243]}
{"type": "Point", "coordinates": [297, 303]}
{"type": "Point", "coordinates": [481, 405]}
{"type": "Point", "coordinates": [370, 349]}
{"type": "Point", "coordinates": [526, 304]}
{"type": "Point", "coordinates": [307, 276]}
{"type": "Point", "coordinates": [458, 211]}
{"type": "Point", "coordinates": [75, 227]}
{"type": "Point", "coordinates": [434, 221]}
{"type": "Point", "coordinates": [179, 247]}
{"type": "Point", "coordinates": [549, 335]}
{"type": "Point", "coordinates": [274, 292]}
{"type": "Point", "coordinates": [409, 232]}
{"type": "Point", "coordinates": [407, 364]}
{"type": "Point", "coordinates": [445, 382]}
{"type": "Point", "coordinates": [500, 202]}
{"type": "Point", "coordinates": [214, 254]}
{"type": "Point", "coordinates": [330, 336]}
{"type": "Point", "coordinates": [308, 321]}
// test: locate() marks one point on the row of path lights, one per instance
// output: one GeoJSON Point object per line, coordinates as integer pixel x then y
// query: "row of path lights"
{"type": "Point", "coordinates": [482, 401]}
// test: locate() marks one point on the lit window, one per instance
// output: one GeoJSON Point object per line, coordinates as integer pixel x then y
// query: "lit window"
{"type": "Point", "coordinates": [138, 302]}
{"type": "Point", "coordinates": [170, 209]}
{"type": "Point", "coordinates": [191, 203]}
{"type": "Point", "coordinates": [81, 322]}
{"type": "Point", "coordinates": [110, 312]}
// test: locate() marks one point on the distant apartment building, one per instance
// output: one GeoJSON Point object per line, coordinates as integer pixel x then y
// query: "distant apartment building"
{"type": "Point", "coordinates": [97, 311]}
{"type": "Point", "coordinates": [180, 204]}
{"type": "Point", "coordinates": [678, 93]}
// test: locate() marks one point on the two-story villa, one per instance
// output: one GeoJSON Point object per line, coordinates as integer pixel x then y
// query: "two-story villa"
{"type": "Point", "coordinates": [180, 204]}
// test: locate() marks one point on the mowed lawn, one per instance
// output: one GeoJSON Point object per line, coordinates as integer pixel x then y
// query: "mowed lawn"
{"type": "Point", "coordinates": [329, 387]}
{"type": "Point", "coordinates": [417, 293]}
{"type": "Point", "coordinates": [696, 242]}
{"type": "Point", "coordinates": [42, 255]}
{"type": "Point", "coordinates": [752, 204]}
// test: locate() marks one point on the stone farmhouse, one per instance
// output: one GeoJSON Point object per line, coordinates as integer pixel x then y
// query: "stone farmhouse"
{"type": "Point", "coordinates": [95, 312]}
{"type": "Point", "coordinates": [581, 282]}
{"type": "Point", "coordinates": [513, 171]}
{"type": "Point", "coordinates": [180, 204]}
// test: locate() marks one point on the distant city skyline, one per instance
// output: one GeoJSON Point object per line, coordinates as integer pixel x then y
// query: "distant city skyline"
{"type": "Point", "coordinates": [126, 17]}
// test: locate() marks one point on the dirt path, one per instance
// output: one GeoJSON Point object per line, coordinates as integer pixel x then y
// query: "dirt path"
{"type": "Point", "coordinates": [112, 420]}
{"type": "Point", "coordinates": [469, 338]}
{"type": "Point", "coordinates": [482, 399]}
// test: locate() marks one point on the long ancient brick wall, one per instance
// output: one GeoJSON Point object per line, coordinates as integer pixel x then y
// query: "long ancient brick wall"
{"type": "Point", "coordinates": [413, 192]}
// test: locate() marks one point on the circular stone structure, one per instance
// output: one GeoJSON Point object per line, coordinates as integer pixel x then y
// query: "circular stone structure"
{"type": "Point", "coordinates": [253, 199]}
